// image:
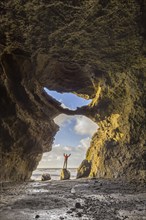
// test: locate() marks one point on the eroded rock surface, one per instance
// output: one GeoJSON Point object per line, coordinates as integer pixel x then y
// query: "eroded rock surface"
{"type": "Point", "coordinates": [65, 174]}
{"type": "Point", "coordinates": [95, 49]}
{"type": "Point", "coordinates": [46, 177]}
{"type": "Point", "coordinates": [84, 169]}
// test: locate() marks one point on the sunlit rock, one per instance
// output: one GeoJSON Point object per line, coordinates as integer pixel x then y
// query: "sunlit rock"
{"type": "Point", "coordinates": [84, 169]}
{"type": "Point", "coordinates": [65, 174]}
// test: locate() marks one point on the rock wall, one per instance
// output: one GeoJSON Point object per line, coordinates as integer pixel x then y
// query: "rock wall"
{"type": "Point", "coordinates": [27, 126]}
{"type": "Point", "coordinates": [96, 49]}
{"type": "Point", "coordinates": [118, 149]}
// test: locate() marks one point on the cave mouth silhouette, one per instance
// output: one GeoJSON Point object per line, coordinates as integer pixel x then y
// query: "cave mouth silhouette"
{"type": "Point", "coordinates": [68, 100]}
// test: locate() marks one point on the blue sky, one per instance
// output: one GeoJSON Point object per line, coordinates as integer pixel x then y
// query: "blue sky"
{"type": "Point", "coordinates": [67, 135]}
{"type": "Point", "coordinates": [69, 100]}
{"type": "Point", "coordinates": [73, 137]}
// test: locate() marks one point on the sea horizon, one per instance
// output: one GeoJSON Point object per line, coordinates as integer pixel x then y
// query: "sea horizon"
{"type": "Point", "coordinates": [54, 173]}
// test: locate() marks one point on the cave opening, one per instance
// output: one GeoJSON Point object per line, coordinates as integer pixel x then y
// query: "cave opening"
{"type": "Point", "coordinates": [68, 100]}
{"type": "Point", "coordinates": [74, 137]}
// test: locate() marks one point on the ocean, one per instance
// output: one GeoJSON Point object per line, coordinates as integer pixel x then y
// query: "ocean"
{"type": "Point", "coordinates": [54, 173]}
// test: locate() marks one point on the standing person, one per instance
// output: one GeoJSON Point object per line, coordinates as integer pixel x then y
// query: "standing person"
{"type": "Point", "coordinates": [65, 160]}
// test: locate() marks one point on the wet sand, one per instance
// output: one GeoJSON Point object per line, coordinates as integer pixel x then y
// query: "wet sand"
{"type": "Point", "coordinates": [84, 199]}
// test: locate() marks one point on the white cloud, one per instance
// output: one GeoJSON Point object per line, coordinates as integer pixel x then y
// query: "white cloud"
{"type": "Point", "coordinates": [56, 145]}
{"type": "Point", "coordinates": [82, 126]}
{"type": "Point", "coordinates": [55, 157]}
{"type": "Point", "coordinates": [59, 158]}
{"type": "Point", "coordinates": [66, 148]}
{"type": "Point", "coordinates": [63, 119]}
{"type": "Point", "coordinates": [85, 126]}
{"type": "Point", "coordinates": [63, 106]}
{"type": "Point", "coordinates": [85, 143]}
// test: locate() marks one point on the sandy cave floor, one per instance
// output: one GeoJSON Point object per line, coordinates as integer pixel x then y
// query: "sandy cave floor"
{"type": "Point", "coordinates": [84, 199]}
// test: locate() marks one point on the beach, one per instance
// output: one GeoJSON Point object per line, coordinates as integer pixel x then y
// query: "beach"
{"type": "Point", "coordinates": [85, 199]}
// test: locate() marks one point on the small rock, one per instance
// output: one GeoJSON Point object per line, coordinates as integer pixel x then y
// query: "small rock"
{"type": "Point", "coordinates": [69, 211]}
{"type": "Point", "coordinates": [9, 207]}
{"type": "Point", "coordinates": [78, 205]}
{"type": "Point", "coordinates": [73, 191]}
{"type": "Point", "coordinates": [46, 177]}
{"type": "Point", "coordinates": [37, 216]}
{"type": "Point", "coordinates": [61, 217]}
{"type": "Point", "coordinates": [79, 214]}
{"type": "Point", "coordinates": [89, 209]}
{"type": "Point", "coordinates": [97, 188]}
{"type": "Point", "coordinates": [73, 209]}
{"type": "Point", "coordinates": [96, 181]}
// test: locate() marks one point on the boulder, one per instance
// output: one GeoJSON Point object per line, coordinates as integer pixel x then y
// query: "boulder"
{"type": "Point", "coordinates": [46, 177]}
{"type": "Point", "coordinates": [84, 169]}
{"type": "Point", "coordinates": [65, 174]}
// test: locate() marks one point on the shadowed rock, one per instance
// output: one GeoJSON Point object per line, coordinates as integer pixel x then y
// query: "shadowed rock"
{"type": "Point", "coordinates": [46, 177]}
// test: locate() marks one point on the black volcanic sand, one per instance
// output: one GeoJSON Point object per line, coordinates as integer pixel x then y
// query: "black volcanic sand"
{"type": "Point", "coordinates": [73, 199]}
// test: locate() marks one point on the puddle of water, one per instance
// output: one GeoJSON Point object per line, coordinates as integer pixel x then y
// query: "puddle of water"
{"type": "Point", "coordinates": [31, 191]}
{"type": "Point", "coordinates": [81, 185]}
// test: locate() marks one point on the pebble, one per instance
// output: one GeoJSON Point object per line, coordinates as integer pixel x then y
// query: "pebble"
{"type": "Point", "coordinates": [9, 207]}
{"type": "Point", "coordinates": [89, 209]}
{"type": "Point", "coordinates": [61, 217]}
{"type": "Point", "coordinates": [72, 209]}
{"type": "Point", "coordinates": [97, 188]}
{"type": "Point", "coordinates": [69, 211]}
{"type": "Point", "coordinates": [37, 216]}
{"type": "Point", "coordinates": [73, 191]}
{"type": "Point", "coordinates": [78, 205]}
{"type": "Point", "coordinates": [79, 214]}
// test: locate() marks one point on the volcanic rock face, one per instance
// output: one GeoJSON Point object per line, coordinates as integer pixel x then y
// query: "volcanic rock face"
{"type": "Point", "coordinates": [84, 169]}
{"type": "Point", "coordinates": [45, 177]}
{"type": "Point", "coordinates": [65, 174]}
{"type": "Point", "coordinates": [27, 127]}
{"type": "Point", "coordinates": [95, 49]}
